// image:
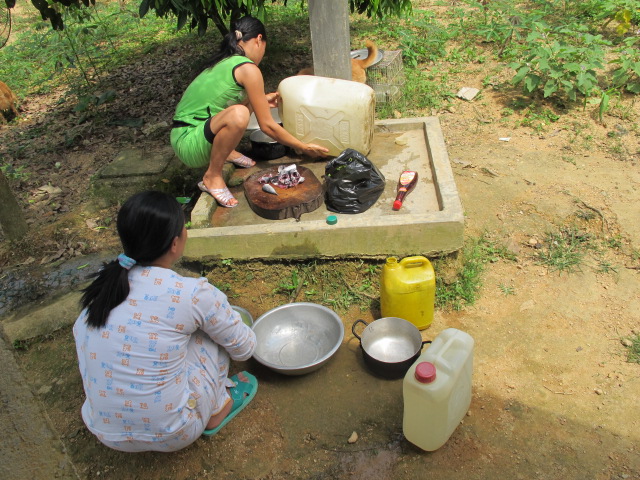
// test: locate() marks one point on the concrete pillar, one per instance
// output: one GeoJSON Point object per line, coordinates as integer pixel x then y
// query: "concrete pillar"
{"type": "Point", "coordinates": [330, 42]}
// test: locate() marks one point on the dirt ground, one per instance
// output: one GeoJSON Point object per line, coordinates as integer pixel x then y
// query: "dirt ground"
{"type": "Point", "coordinates": [553, 394]}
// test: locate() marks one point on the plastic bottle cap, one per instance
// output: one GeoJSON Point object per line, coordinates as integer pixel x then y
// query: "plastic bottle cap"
{"type": "Point", "coordinates": [332, 219]}
{"type": "Point", "coordinates": [425, 372]}
{"type": "Point", "coordinates": [397, 204]}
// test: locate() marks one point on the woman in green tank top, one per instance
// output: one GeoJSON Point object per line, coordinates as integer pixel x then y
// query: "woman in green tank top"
{"type": "Point", "coordinates": [214, 111]}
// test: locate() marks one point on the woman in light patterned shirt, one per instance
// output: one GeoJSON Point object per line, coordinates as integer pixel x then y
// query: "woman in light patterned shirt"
{"type": "Point", "coordinates": [154, 347]}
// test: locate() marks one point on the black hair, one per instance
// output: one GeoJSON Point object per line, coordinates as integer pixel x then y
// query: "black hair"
{"type": "Point", "coordinates": [249, 27]}
{"type": "Point", "coordinates": [148, 222]}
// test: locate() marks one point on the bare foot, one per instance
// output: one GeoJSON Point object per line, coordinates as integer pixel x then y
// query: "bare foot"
{"type": "Point", "coordinates": [217, 419]}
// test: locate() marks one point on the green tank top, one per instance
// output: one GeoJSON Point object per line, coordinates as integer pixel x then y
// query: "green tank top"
{"type": "Point", "coordinates": [212, 91]}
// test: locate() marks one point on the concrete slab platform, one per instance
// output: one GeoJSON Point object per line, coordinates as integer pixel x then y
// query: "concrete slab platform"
{"type": "Point", "coordinates": [134, 170]}
{"type": "Point", "coordinates": [29, 446]}
{"type": "Point", "coordinates": [40, 322]}
{"type": "Point", "coordinates": [430, 222]}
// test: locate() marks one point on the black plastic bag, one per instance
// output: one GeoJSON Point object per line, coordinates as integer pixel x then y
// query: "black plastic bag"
{"type": "Point", "coordinates": [352, 183]}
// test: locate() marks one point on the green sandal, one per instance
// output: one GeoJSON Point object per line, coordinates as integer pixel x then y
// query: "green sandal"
{"type": "Point", "coordinates": [241, 395]}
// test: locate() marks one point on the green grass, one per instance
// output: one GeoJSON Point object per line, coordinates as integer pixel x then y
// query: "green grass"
{"type": "Point", "coordinates": [633, 350]}
{"type": "Point", "coordinates": [354, 283]}
{"type": "Point", "coordinates": [288, 34]}
{"type": "Point", "coordinates": [436, 47]}
{"type": "Point", "coordinates": [223, 287]}
{"type": "Point", "coordinates": [337, 284]}
{"type": "Point", "coordinates": [18, 173]}
{"type": "Point", "coordinates": [341, 285]}
{"type": "Point", "coordinates": [344, 284]}
{"type": "Point", "coordinates": [606, 267]}
{"type": "Point", "coordinates": [507, 290]}
{"type": "Point", "coordinates": [421, 91]}
{"type": "Point", "coordinates": [39, 59]}
{"type": "Point", "coordinates": [538, 118]}
{"type": "Point", "coordinates": [291, 284]}
{"type": "Point", "coordinates": [564, 251]}
{"type": "Point", "coordinates": [465, 288]}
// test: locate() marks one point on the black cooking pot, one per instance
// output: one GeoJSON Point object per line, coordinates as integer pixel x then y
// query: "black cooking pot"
{"type": "Point", "coordinates": [265, 147]}
{"type": "Point", "coordinates": [389, 345]}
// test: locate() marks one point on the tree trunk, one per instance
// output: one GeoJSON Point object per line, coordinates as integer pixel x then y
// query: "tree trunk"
{"type": "Point", "coordinates": [330, 42]}
{"type": "Point", "coordinates": [11, 219]}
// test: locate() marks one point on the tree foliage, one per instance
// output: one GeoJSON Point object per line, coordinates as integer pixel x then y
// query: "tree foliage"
{"type": "Point", "coordinates": [197, 14]}
{"type": "Point", "coordinates": [53, 11]}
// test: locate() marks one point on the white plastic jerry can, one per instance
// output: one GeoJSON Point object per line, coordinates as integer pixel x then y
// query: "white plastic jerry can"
{"type": "Point", "coordinates": [330, 112]}
{"type": "Point", "coordinates": [437, 390]}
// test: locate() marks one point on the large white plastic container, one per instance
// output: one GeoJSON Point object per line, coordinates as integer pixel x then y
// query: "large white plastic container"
{"type": "Point", "coordinates": [437, 390]}
{"type": "Point", "coordinates": [330, 112]}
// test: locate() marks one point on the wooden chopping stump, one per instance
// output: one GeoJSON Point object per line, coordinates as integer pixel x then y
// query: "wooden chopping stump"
{"type": "Point", "coordinates": [290, 202]}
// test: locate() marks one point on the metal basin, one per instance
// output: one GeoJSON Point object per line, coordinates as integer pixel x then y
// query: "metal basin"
{"type": "Point", "coordinates": [265, 147]}
{"type": "Point", "coordinates": [253, 121]}
{"type": "Point", "coordinates": [247, 319]}
{"type": "Point", "coordinates": [297, 338]}
{"type": "Point", "coordinates": [363, 54]}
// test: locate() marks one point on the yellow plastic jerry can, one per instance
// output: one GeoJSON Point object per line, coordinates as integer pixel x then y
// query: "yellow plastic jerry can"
{"type": "Point", "coordinates": [408, 290]}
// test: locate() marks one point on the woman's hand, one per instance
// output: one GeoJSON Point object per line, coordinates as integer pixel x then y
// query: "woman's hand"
{"type": "Point", "coordinates": [312, 150]}
{"type": "Point", "coordinates": [272, 99]}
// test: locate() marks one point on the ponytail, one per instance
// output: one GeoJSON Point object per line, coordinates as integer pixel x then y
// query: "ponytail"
{"type": "Point", "coordinates": [147, 224]}
{"type": "Point", "coordinates": [244, 29]}
{"type": "Point", "coordinates": [109, 289]}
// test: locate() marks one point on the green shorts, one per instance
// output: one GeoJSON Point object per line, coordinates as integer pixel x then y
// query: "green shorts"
{"type": "Point", "coordinates": [191, 145]}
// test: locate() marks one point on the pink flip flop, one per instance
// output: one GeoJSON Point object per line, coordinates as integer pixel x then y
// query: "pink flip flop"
{"type": "Point", "coordinates": [221, 195]}
{"type": "Point", "coordinates": [242, 161]}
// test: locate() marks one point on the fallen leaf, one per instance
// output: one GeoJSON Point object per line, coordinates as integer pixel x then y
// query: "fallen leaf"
{"type": "Point", "coordinates": [463, 163]}
{"type": "Point", "coordinates": [401, 140]}
{"type": "Point", "coordinates": [91, 223]}
{"type": "Point", "coordinates": [28, 261]}
{"type": "Point", "coordinates": [50, 190]}
{"type": "Point", "coordinates": [490, 172]}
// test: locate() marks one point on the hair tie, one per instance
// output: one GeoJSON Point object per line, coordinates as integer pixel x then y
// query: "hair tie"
{"type": "Point", "coordinates": [126, 262]}
{"type": "Point", "coordinates": [238, 35]}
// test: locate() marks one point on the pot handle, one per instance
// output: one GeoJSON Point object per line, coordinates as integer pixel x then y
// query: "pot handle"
{"type": "Point", "coordinates": [423, 343]}
{"type": "Point", "coordinates": [353, 328]}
